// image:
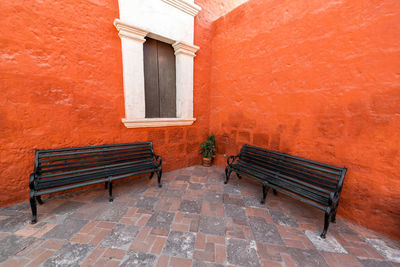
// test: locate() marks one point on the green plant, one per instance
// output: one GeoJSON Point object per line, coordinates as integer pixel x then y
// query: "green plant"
{"type": "Point", "coordinates": [208, 147]}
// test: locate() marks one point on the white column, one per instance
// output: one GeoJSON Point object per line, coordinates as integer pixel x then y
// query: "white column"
{"type": "Point", "coordinates": [184, 54]}
{"type": "Point", "coordinates": [132, 40]}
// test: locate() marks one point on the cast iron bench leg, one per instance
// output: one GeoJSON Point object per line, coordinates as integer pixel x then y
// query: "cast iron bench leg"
{"type": "Point", "coordinates": [151, 175]}
{"type": "Point", "coordinates": [159, 174]}
{"type": "Point", "coordinates": [32, 200]}
{"type": "Point", "coordinates": [238, 175]}
{"type": "Point", "coordinates": [39, 200]}
{"type": "Point", "coordinates": [105, 185]}
{"type": "Point", "coordinates": [227, 174]}
{"type": "Point", "coordinates": [275, 193]}
{"type": "Point", "coordinates": [326, 224]}
{"type": "Point", "coordinates": [265, 191]}
{"type": "Point", "coordinates": [333, 218]}
{"type": "Point", "coordinates": [110, 197]}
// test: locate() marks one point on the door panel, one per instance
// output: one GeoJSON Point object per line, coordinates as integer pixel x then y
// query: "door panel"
{"type": "Point", "coordinates": [166, 78]}
{"type": "Point", "coordinates": [152, 92]}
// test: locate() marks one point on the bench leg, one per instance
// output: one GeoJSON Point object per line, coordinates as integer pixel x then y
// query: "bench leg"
{"type": "Point", "coordinates": [265, 191]}
{"type": "Point", "coordinates": [326, 224]}
{"type": "Point", "coordinates": [275, 193]}
{"type": "Point", "coordinates": [151, 175]}
{"type": "Point", "coordinates": [159, 174]}
{"type": "Point", "coordinates": [39, 200]}
{"type": "Point", "coordinates": [105, 185]}
{"type": "Point", "coordinates": [333, 218]}
{"type": "Point", "coordinates": [110, 197]}
{"type": "Point", "coordinates": [227, 174]}
{"type": "Point", "coordinates": [32, 200]}
{"type": "Point", "coordinates": [238, 176]}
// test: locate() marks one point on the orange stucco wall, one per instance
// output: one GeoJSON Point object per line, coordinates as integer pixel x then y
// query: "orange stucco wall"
{"type": "Point", "coordinates": [318, 79]}
{"type": "Point", "coordinates": [61, 85]}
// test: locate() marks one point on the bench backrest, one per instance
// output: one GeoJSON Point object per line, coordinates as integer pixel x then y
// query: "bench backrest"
{"type": "Point", "coordinates": [56, 167]}
{"type": "Point", "coordinates": [271, 163]}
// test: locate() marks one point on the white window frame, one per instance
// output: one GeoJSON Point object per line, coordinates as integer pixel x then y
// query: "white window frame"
{"type": "Point", "coordinates": [170, 21]}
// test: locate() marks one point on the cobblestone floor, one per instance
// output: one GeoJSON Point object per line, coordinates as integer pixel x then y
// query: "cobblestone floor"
{"type": "Point", "coordinates": [193, 220]}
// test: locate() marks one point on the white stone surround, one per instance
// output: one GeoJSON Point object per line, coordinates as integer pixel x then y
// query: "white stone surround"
{"type": "Point", "coordinates": [170, 21]}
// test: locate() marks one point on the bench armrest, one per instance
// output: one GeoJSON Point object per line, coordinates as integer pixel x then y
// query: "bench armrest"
{"type": "Point", "coordinates": [340, 183]}
{"type": "Point", "coordinates": [157, 160]}
{"type": "Point", "coordinates": [231, 159]}
{"type": "Point", "coordinates": [32, 181]}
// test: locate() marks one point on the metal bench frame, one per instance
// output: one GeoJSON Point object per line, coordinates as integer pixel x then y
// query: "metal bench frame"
{"type": "Point", "coordinates": [312, 182]}
{"type": "Point", "coordinates": [62, 169]}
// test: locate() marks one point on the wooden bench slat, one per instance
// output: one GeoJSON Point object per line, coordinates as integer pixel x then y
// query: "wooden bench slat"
{"type": "Point", "coordinates": [289, 168]}
{"type": "Point", "coordinates": [90, 163]}
{"type": "Point", "coordinates": [296, 158]}
{"type": "Point", "coordinates": [96, 146]}
{"type": "Point", "coordinates": [89, 155]}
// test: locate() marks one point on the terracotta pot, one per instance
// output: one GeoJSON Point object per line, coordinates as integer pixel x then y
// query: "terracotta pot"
{"type": "Point", "coordinates": [207, 162]}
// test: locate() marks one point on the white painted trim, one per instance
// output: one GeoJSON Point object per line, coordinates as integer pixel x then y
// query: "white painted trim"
{"type": "Point", "coordinates": [184, 48]}
{"type": "Point", "coordinates": [129, 31]}
{"type": "Point", "coordinates": [157, 122]}
{"type": "Point", "coordinates": [189, 8]}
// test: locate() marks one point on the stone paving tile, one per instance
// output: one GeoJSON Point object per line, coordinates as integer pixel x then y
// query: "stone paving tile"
{"type": "Point", "coordinates": [238, 214]}
{"type": "Point", "coordinates": [229, 189]}
{"type": "Point", "coordinates": [146, 202]}
{"type": "Point", "coordinates": [233, 199]}
{"type": "Point", "coordinates": [374, 263]}
{"type": "Point", "coordinates": [173, 193]}
{"type": "Point", "coordinates": [14, 222]}
{"type": "Point", "coordinates": [67, 207]}
{"type": "Point", "coordinates": [206, 264]}
{"type": "Point", "coordinates": [193, 220]}
{"type": "Point", "coordinates": [191, 206]}
{"type": "Point", "coordinates": [112, 214]}
{"type": "Point", "coordinates": [265, 232]}
{"type": "Point", "coordinates": [67, 229]}
{"type": "Point", "coordinates": [139, 259]}
{"type": "Point", "coordinates": [390, 253]}
{"type": "Point", "coordinates": [180, 244]}
{"type": "Point", "coordinates": [307, 257]}
{"type": "Point", "coordinates": [213, 197]}
{"type": "Point", "coordinates": [11, 245]}
{"type": "Point", "coordinates": [161, 220]}
{"type": "Point", "coordinates": [121, 236]}
{"type": "Point", "coordinates": [329, 244]}
{"type": "Point", "coordinates": [71, 254]}
{"type": "Point", "coordinates": [212, 225]}
{"type": "Point", "coordinates": [253, 202]}
{"type": "Point", "coordinates": [242, 253]}
{"type": "Point", "coordinates": [282, 218]}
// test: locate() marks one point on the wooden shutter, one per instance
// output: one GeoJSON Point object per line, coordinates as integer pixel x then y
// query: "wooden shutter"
{"type": "Point", "coordinates": [159, 79]}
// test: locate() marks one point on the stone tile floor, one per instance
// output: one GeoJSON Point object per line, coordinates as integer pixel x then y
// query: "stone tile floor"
{"type": "Point", "coordinates": [193, 220]}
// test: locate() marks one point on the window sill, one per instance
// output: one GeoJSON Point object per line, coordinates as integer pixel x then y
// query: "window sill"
{"type": "Point", "coordinates": [157, 122]}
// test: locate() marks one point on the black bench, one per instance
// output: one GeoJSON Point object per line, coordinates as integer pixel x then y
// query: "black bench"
{"type": "Point", "coordinates": [67, 168]}
{"type": "Point", "coordinates": [312, 182]}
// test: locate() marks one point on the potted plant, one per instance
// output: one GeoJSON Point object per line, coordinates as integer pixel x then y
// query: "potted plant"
{"type": "Point", "coordinates": [208, 150]}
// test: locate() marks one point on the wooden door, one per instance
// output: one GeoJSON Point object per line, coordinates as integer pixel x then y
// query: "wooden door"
{"type": "Point", "coordinates": [159, 79]}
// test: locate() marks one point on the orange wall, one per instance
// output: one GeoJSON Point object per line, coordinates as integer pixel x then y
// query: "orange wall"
{"type": "Point", "coordinates": [61, 85]}
{"type": "Point", "coordinates": [318, 79]}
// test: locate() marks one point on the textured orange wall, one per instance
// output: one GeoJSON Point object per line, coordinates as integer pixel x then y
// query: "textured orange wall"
{"type": "Point", "coordinates": [318, 79]}
{"type": "Point", "coordinates": [61, 85]}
